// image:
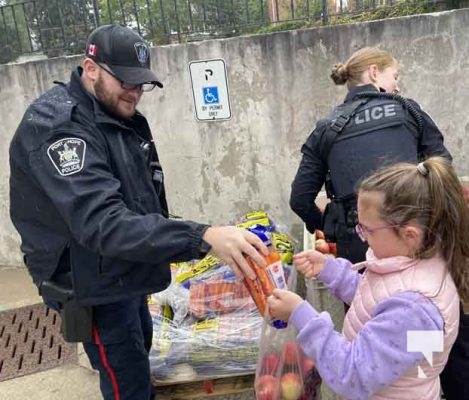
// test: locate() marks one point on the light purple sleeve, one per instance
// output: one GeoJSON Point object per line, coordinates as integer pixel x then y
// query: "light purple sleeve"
{"type": "Point", "coordinates": [378, 355]}
{"type": "Point", "coordinates": [340, 279]}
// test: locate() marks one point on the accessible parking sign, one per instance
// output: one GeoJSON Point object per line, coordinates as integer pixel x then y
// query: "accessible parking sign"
{"type": "Point", "coordinates": [210, 90]}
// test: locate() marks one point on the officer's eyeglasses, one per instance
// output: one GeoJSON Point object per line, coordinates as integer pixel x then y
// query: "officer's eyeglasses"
{"type": "Point", "coordinates": [146, 87]}
{"type": "Point", "coordinates": [363, 231]}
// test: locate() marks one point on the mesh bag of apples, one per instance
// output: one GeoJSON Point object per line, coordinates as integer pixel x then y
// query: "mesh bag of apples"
{"type": "Point", "coordinates": [283, 371]}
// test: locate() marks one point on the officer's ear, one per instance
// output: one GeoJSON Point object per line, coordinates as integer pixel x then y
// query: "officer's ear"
{"type": "Point", "coordinates": [90, 69]}
{"type": "Point", "coordinates": [373, 71]}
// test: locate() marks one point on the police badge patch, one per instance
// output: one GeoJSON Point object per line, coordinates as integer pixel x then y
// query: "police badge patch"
{"type": "Point", "coordinates": [142, 52]}
{"type": "Point", "coordinates": [67, 155]}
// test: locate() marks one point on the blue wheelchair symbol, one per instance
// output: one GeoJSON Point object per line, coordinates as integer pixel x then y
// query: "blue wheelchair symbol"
{"type": "Point", "coordinates": [210, 95]}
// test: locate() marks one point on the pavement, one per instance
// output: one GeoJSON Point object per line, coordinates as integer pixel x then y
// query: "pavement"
{"type": "Point", "coordinates": [73, 381]}
{"type": "Point", "coordinates": [70, 381]}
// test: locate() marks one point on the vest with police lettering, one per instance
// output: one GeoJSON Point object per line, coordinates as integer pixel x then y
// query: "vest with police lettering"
{"type": "Point", "coordinates": [385, 278]}
{"type": "Point", "coordinates": [381, 132]}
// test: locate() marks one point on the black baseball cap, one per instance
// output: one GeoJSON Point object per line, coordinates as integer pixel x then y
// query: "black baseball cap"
{"type": "Point", "coordinates": [124, 52]}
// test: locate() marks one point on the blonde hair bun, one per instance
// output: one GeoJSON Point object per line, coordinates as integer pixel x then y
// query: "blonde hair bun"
{"type": "Point", "coordinates": [339, 74]}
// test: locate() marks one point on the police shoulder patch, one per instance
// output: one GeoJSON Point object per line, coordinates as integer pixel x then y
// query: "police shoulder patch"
{"type": "Point", "coordinates": [67, 155]}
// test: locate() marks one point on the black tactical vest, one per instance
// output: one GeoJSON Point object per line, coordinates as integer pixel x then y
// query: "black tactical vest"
{"type": "Point", "coordinates": [382, 131]}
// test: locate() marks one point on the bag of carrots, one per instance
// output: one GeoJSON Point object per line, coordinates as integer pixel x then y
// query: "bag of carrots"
{"type": "Point", "coordinates": [267, 278]}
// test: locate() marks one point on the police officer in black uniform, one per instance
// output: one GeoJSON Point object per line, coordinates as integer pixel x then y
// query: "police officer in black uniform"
{"type": "Point", "coordinates": [372, 128]}
{"type": "Point", "coordinates": [88, 199]}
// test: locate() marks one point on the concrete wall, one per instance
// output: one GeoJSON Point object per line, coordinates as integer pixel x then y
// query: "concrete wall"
{"type": "Point", "coordinates": [279, 86]}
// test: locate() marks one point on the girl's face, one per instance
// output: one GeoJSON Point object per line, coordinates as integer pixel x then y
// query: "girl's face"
{"type": "Point", "coordinates": [384, 239]}
{"type": "Point", "coordinates": [387, 79]}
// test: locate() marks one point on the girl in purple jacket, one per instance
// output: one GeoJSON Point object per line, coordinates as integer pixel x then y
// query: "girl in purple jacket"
{"type": "Point", "coordinates": [404, 310]}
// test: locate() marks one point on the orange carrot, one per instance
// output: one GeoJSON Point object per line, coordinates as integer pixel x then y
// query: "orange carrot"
{"type": "Point", "coordinates": [264, 279]}
{"type": "Point", "coordinates": [256, 293]}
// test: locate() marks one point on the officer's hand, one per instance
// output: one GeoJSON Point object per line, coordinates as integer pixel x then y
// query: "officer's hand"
{"type": "Point", "coordinates": [232, 244]}
{"type": "Point", "coordinates": [282, 303]}
{"type": "Point", "coordinates": [310, 263]}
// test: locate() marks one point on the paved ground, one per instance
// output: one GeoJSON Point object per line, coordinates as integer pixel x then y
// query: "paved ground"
{"type": "Point", "coordinates": [71, 382]}
{"type": "Point", "coordinates": [68, 382]}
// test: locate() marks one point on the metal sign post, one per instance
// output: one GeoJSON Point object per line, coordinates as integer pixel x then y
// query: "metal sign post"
{"type": "Point", "coordinates": [210, 90]}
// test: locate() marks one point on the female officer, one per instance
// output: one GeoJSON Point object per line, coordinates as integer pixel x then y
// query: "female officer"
{"type": "Point", "coordinates": [372, 127]}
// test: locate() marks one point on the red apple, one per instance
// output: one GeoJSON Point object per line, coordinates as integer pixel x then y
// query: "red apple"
{"type": "Point", "coordinates": [291, 353]}
{"type": "Point", "coordinates": [306, 366]}
{"type": "Point", "coordinates": [291, 386]}
{"type": "Point", "coordinates": [332, 248]}
{"type": "Point", "coordinates": [266, 395]}
{"type": "Point", "coordinates": [270, 364]}
{"type": "Point", "coordinates": [322, 246]}
{"type": "Point", "coordinates": [267, 388]}
{"type": "Point", "coordinates": [319, 234]}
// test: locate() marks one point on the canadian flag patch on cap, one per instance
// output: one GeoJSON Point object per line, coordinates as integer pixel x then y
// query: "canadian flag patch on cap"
{"type": "Point", "coordinates": [92, 50]}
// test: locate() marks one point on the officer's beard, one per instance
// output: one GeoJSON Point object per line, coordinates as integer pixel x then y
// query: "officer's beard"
{"type": "Point", "coordinates": [110, 100]}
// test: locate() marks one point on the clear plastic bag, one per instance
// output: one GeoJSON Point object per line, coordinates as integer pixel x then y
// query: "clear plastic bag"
{"type": "Point", "coordinates": [283, 371]}
{"type": "Point", "coordinates": [219, 335]}
{"type": "Point", "coordinates": [206, 324]}
{"type": "Point", "coordinates": [282, 366]}
{"type": "Point", "coordinates": [218, 292]}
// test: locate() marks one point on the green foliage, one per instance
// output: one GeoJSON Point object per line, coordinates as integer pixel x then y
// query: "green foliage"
{"type": "Point", "coordinates": [284, 26]}
{"type": "Point", "coordinates": [61, 30]}
{"type": "Point", "coordinates": [164, 21]}
{"type": "Point", "coordinates": [13, 40]}
{"type": "Point", "coordinates": [42, 25]}
{"type": "Point", "coordinates": [60, 27]}
{"type": "Point", "coordinates": [402, 8]}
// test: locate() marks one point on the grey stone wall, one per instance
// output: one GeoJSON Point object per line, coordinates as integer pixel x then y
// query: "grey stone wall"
{"type": "Point", "coordinates": [279, 86]}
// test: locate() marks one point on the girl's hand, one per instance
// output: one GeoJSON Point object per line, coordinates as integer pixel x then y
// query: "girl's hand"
{"type": "Point", "coordinates": [282, 303]}
{"type": "Point", "coordinates": [310, 262]}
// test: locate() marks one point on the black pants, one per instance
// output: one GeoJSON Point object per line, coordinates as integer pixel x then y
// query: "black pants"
{"type": "Point", "coordinates": [455, 377]}
{"type": "Point", "coordinates": [122, 334]}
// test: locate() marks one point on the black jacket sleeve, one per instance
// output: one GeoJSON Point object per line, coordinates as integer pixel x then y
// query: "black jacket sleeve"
{"type": "Point", "coordinates": [91, 205]}
{"type": "Point", "coordinates": [308, 181]}
{"type": "Point", "coordinates": [431, 140]}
